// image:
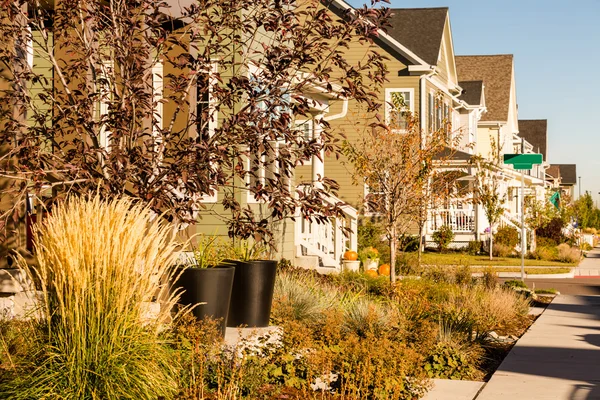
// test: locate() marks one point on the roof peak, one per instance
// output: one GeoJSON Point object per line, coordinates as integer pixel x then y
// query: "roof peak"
{"type": "Point", "coordinates": [420, 8]}
{"type": "Point", "coordinates": [485, 55]}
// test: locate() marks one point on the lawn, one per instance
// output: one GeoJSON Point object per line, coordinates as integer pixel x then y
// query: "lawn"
{"type": "Point", "coordinates": [452, 258]}
{"type": "Point", "coordinates": [528, 270]}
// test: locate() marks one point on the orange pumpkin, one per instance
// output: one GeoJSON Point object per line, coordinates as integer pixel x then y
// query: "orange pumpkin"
{"type": "Point", "coordinates": [384, 269]}
{"type": "Point", "coordinates": [372, 273]}
{"type": "Point", "coordinates": [350, 255]}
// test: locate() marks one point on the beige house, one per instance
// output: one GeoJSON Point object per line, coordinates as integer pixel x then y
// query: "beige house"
{"type": "Point", "coordinates": [498, 133]}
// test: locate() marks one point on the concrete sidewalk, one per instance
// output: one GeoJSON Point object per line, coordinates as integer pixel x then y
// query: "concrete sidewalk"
{"type": "Point", "coordinates": [558, 358]}
{"type": "Point", "coordinates": [590, 265]}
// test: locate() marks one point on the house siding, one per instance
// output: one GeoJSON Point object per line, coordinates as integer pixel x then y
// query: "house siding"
{"type": "Point", "coordinates": [355, 123]}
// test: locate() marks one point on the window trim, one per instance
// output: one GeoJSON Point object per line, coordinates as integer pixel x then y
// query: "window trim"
{"type": "Point", "coordinates": [311, 126]}
{"type": "Point", "coordinates": [388, 100]}
{"type": "Point", "coordinates": [213, 119]}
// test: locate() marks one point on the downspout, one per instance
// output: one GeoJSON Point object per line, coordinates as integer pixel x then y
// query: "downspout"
{"type": "Point", "coordinates": [341, 114]}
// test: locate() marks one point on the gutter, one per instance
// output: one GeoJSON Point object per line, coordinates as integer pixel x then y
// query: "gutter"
{"type": "Point", "coordinates": [341, 114]}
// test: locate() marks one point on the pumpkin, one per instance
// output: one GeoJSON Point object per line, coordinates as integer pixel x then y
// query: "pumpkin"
{"type": "Point", "coordinates": [350, 255]}
{"type": "Point", "coordinates": [384, 269]}
{"type": "Point", "coordinates": [372, 273]}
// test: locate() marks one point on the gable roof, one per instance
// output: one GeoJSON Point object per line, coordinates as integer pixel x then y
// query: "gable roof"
{"type": "Point", "coordinates": [496, 73]}
{"type": "Point", "coordinates": [553, 171]}
{"type": "Point", "coordinates": [535, 131]}
{"type": "Point", "coordinates": [419, 29]}
{"type": "Point", "coordinates": [568, 173]}
{"type": "Point", "coordinates": [472, 91]}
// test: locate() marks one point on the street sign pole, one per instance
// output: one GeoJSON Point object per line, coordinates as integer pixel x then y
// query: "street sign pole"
{"type": "Point", "coordinates": [522, 162]}
{"type": "Point", "coordinates": [522, 226]}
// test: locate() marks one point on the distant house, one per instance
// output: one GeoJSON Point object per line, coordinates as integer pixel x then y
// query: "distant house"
{"type": "Point", "coordinates": [535, 131]}
{"type": "Point", "coordinates": [565, 175]}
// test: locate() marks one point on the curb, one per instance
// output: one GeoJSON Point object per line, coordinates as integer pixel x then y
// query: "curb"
{"type": "Point", "coordinates": [569, 275]}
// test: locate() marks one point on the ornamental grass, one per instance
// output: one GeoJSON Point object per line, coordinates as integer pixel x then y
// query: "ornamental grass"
{"type": "Point", "coordinates": [100, 264]}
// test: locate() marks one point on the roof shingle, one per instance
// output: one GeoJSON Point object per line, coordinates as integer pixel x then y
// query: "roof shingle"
{"type": "Point", "coordinates": [496, 73]}
{"type": "Point", "coordinates": [420, 30]}
{"type": "Point", "coordinates": [568, 173]}
{"type": "Point", "coordinates": [472, 91]}
{"type": "Point", "coordinates": [535, 131]}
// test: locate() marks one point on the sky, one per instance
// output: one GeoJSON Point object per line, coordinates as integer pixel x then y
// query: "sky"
{"type": "Point", "coordinates": [556, 45]}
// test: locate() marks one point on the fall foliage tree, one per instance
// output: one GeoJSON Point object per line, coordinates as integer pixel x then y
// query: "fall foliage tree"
{"type": "Point", "coordinates": [167, 104]}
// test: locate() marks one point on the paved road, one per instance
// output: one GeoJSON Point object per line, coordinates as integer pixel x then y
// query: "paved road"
{"type": "Point", "coordinates": [557, 359]}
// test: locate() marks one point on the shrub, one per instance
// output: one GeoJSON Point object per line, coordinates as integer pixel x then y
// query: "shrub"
{"type": "Point", "coordinates": [408, 264]}
{"type": "Point", "coordinates": [507, 236]}
{"type": "Point", "coordinates": [545, 253]}
{"type": "Point", "coordinates": [463, 275]}
{"type": "Point", "coordinates": [454, 360]}
{"type": "Point", "coordinates": [585, 246]}
{"type": "Point", "coordinates": [443, 237]}
{"type": "Point", "coordinates": [501, 250]}
{"type": "Point", "coordinates": [474, 247]}
{"type": "Point", "coordinates": [100, 263]}
{"type": "Point", "coordinates": [489, 278]}
{"type": "Point", "coordinates": [553, 230]}
{"type": "Point", "coordinates": [369, 232]}
{"type": "Point", "coordinates": [541, 241]}
{"type": "Point", "coordinates": [409, 243]}
{"type": "Point", "coordinates": [439, 274]}
{"type": "Point", "coordinates": [566, 253]}
{"type": "Point", "coordinates": [301, 298]}
{"type": "Point", "coordinates": [515, 283]}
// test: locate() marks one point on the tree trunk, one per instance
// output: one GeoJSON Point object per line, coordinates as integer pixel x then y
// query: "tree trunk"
{"type": "Point", "coordinates": [393, 247]}
{"type": "Point", "coordinates": [420, 244]}
{"type": "Point", "coordinates": [491, 241]}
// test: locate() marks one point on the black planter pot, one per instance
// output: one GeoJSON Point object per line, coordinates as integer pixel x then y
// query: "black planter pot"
{"type": "Point", "coordinates": [211, 286]}
{"type": "Point", "coordinates": [252, 294]}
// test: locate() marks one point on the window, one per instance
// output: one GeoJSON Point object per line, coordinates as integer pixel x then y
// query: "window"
{"type": "Point", "coordinates": [399, 105]}
{"type": "Point", "coordinates": [205, 116]}
{"type": "Point", "coordinates": [374, 198]}
{"type": "Point", "coordinates": [446, 118]}
{"type": "Point", "coordinates": [306, 133]}
{"type": "Point", "coordinates": [263, 168]}
{"type": "Point", "coordinates": [431, 113]}
{"type": "Point", "coordinates": [206, 119]}
{"type": "Point", "coordinates": [106, 71]}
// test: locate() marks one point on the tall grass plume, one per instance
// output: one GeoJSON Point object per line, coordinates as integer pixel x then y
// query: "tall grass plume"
{"type": "Point", "coordinates": [100, 263]}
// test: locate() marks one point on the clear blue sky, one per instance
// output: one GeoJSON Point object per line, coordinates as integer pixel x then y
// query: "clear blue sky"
{"type": "Point", "coordinates": [557, 66]}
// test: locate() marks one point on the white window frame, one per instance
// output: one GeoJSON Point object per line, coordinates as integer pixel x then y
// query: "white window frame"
{"type": "Point", "coordinates": [307, 129]}
{"type": "Point", "coordinates": [388, 102]}
{"type": "Point", "coordinates": [213, 118]}
{"type": "Point", "coordinates": [104, 103]}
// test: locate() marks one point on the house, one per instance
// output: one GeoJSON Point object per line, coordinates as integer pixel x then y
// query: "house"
{"type": "Point", "coordinates": [565, 175]}
{"type": "Point", "coordinates": [498, 132]}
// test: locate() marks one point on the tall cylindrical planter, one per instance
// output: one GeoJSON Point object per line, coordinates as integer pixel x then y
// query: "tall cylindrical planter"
{"type": "Point", "coordinates": [209, 286]}
{"type": "Point", "coordinates": [252, 293]}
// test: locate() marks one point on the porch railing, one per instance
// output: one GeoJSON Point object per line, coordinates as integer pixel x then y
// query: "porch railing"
{"type": "Point", "coordinates": [457, 220]}
{"type": "Point", "coordinates": [327, 240]}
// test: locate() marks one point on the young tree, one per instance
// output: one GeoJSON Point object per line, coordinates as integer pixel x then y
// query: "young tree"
{"type": "Point", "coordinates": [488, 194]}
{"type": "Point", "coordinates": [167, 104]}
{"type": "Point", "coordinates": [396, 162]}
{"type": "Point", "coordinates": [539, 214]}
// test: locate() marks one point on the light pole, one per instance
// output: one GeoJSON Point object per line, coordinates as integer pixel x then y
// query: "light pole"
{"type": "Point", "coordinates": [579, 187]}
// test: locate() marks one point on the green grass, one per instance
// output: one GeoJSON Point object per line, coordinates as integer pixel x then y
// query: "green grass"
{"type": "Point", "coordinates": [528, 270]}
{"type": "Point", "coordinates": [546, 291]}
{"type": "Point", "coordinates": [484, 260]}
